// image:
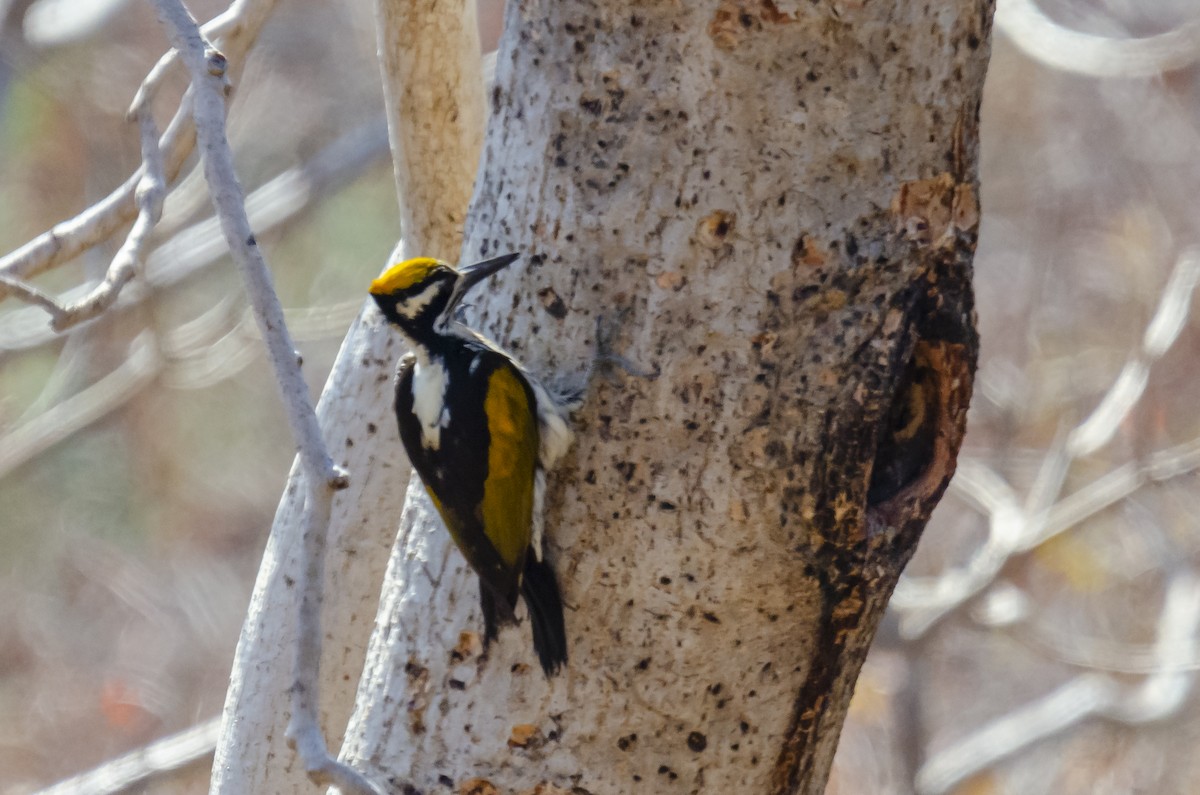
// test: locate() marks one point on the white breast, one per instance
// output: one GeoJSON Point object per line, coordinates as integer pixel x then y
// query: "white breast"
{"type": "Point", "coordinates": [429, 400]}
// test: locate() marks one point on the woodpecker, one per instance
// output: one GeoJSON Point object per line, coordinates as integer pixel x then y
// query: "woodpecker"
{"type": "Point", "coordinates": [481, 432]}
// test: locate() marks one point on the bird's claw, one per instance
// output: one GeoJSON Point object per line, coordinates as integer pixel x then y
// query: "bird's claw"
{"type": "Point", "coordinates": [608, 359]}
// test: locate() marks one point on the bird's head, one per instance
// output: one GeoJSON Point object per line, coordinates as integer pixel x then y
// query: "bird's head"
{"type": "Point", "coordinates": [424, 292]}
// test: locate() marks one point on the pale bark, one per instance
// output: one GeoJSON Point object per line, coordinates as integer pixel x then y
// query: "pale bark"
{"type": "Point", "coordinates": [442, 100]}
{"type": "Point", "coordinates": [773, 203]}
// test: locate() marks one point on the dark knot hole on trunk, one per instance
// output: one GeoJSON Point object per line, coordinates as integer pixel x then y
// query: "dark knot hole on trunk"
{"type": "Point", "coordinates": [919, 435]}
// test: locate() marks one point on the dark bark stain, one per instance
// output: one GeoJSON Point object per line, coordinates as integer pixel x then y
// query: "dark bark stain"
{"type": "Point", "coordinates": [839, 573]}
{"type": "Point", "coordinates": [888, 463]}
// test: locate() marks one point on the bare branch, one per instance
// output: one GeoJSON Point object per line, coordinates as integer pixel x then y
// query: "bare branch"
{"type": "Point", "coordinates": [161, 757]}
{"type": "Point", "coordinates": [1079, 698]}
{"type": "Point", "coordinates": [149, 196]}
{"type": "Point", "coordinates": [1162, 331]}
{"type": "Point", "coordinates": [304, 731]}
{"type": "Point", "coordinates": [31, 295]}
{"type": "Point", "coordinates": [357, 394]}
{"type": "Point", "coordinates": [203, 352]}
{"type": "Point", "coordinates": [207, 69]}
{"type": "Point", "coordinates": [1108, 489]}
{"type": "Point", "coordinates": [69, 239]}
{"type": "Point", "coordinates": [80, 410]}
{"type": "Point", "coordinates": [924, 601]}
{"type": "Point", "coordinates": [64, 241]}
{"type": "Point", "coordinates": [1045, 40]}
{"type": "Point", "coordinates": [281, 201]}
{"type": "Point", "coordinates": [196, 365]}
{"type": "Point", "coordinates": [1088, 695]}
{"type": "Point", "coordinates": [214, 30]}
{"type": "Point", "coordinates": [1015, 527]}
{"type": "Point", "coordinates": [210, 348]}
{"type": "Point", "coordinates": [1164, 691]}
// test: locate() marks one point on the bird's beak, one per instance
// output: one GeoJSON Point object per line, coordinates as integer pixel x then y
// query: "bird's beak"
{"type": "Point", "coordinates": [471, 275]}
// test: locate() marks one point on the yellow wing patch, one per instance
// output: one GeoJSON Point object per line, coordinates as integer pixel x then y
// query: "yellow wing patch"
{"type": "Point", "coordinates": [507, 508]}
{"type": "Point", "coordinates": [405, 275]}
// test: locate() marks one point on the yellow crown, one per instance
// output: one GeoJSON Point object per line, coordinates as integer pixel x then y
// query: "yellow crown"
{"type": "Point", "coordinates": [405, 275]}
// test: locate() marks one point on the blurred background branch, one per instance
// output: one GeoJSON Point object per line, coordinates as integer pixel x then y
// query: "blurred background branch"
{"type": "Point", "coordinates": [1064, 560]}
{"type": "Point", "coordinates": [161, 758]}
{"type": "Point", "coordinates": [235, 32]}
{"type": "Point", "coordinates": [159, 662]}
{"type": "Point", "coordinates": [1057, 46]}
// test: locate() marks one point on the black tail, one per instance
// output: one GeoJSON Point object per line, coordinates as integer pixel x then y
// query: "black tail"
{"type": "Point", "coordinates": [540, 589]}
{"type": "Point", "coordinates": [491, 619]}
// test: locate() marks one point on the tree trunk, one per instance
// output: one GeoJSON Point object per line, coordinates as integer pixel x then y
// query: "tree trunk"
{"type": "Point", "coordinates": [435, 119]}
{"type": "Point", "coordinates": [774, 204]}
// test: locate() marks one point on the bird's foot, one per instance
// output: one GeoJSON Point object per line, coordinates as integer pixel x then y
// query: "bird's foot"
{"type": "Point", "coordinates": [607, 359]}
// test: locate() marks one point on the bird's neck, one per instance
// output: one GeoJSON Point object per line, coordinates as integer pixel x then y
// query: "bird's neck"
{"type": "Point", "coordinates": [428, 339]}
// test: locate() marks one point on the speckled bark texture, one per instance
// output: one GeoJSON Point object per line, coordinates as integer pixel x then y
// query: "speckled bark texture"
{"type": "Point", "coordinates": [774, 204]}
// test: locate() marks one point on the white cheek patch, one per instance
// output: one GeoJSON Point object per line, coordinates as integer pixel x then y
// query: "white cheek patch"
{"type": "Point", "coordinates": [429, 400]}
{"type": "Point", "coordinates": [413, 307]}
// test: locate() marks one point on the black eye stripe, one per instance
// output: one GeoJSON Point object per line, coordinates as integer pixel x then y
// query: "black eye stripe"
{"type": "Point", "coordinates": [439, 275]}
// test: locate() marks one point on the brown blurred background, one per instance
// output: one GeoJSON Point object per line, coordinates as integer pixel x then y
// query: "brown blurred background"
{"type": "Point", "coordinates": [1045, 641]}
